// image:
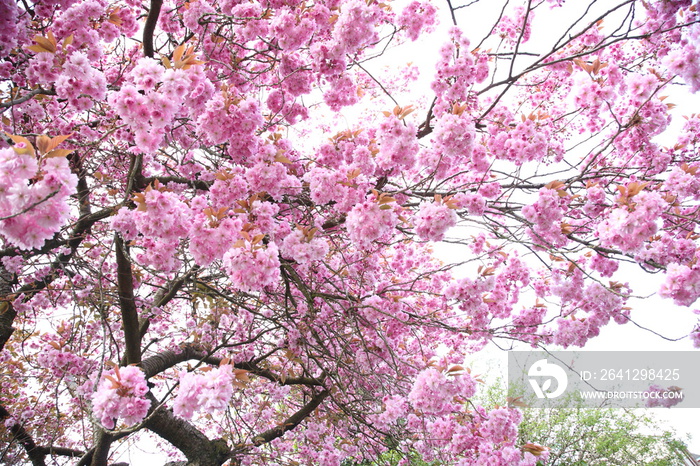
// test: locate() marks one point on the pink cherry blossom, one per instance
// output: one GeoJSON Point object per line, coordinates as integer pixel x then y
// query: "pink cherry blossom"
{"type": "Point", "coordinates": [120, 395]}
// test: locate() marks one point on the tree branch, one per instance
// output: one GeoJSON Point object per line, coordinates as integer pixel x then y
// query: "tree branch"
{"type": "Point", "coordinates": [22, 436]}
{"type": "Point", "coordinates": [196, 184]}
{"type": "Point", "coordinates": [198, 449]}
{"type": "Point", "coordinates": [167, 294]}
{"type": "Point", "coordinates": [164, 297]}
{"type": "Point", "coordinates": [127, 304]}
{"type": "Point", "coordinates": [28, 96]}
{"type": "Point", "coordinates": [100, 453]}
{"type": "Point", "coordinates": [160, 362]}
{"type": "Point", "coordinates": [37, 454]}
{"type": "Point", "coordinates": [7, 311]}
{"type": "Point", "coordinates": [150, 27]}
{"type": "Point", "coordinates": [293, 421]}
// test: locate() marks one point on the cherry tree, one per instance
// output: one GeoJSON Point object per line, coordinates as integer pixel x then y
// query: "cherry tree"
{"type": "Point", "coordinates": [218, 217]}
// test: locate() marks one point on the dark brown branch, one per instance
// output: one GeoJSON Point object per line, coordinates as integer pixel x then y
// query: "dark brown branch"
{"type": "Point", "coordinates": [150, 27]}
{"type": "Point", "coordinates": [7, 311]}
{"type": "Point", "coordinates": [127, 304]}
{"type": "Point", "coordinates": [28, 96]}
{"type": "Point", "coordinates": [425, 129]}
{"type": "Point", "coordinates": [23, 438]}
{"type": "Point", "coordinates": [452, 12]}
{"type": "Point", "coordinates": [293, 421]}
{"type": "Point", "coordinates": [520, 39]}
{"type": "Point", "coordinates": [61, 451]}
{"type": "Point", "coordinates": [164, 297]}
{"type": "Point", "coordinates": [100, 453]}
{"type": "Point", "coordinates": [37, 454]}
{"type": "Point", "coordinates": [198, 449]}
{"type": "Point", "coordinates": [160, 362]}
{"type": "Point", "coordinates": [88, 455]}
{"type": "Point", "coordinates": [334, 222]}
{"type": "Point", "coordinates": [136, 180]}
{"type": "Point", "coordinates": [83, 193]}
{"type": "Point", "coordinates": [196, 184]}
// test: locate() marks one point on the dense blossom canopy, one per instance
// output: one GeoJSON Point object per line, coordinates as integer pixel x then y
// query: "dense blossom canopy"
{"type": "Point", "coordinates": [217, 218]}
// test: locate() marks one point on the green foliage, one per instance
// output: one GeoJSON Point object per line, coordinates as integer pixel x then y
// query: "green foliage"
{"type": "Point", "coordinates": [581, 436]}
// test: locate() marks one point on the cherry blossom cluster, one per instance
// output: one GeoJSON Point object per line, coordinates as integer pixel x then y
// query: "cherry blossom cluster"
{"type": "Point", "coordinates": [252, 266]}
{"type": "Point", "coordinates": [341, 186]}
{"type": "Point", "coordinates": [682, 284]}
{"type": "Point", "coordinates": [159, 223]}
{"type": "Point", "coordinates": [546, 216]}
{"type": "Point", "coordinates": [213, 239]}
{"type": "Point", "coordinates": [210, 390]}
{"type": "Point", "coordinates": [433, 219]}
{"type": "Point", "coordinates": [628, 226]}
{"type": "Point", "coordinates": [456, 71]}
{"type": "Point", "coordinates": [63, 363]}
{"type": "Point", "coordinates": [416, 18]}
{"type": "Point", "coordinates": [80, 83]}
{"type": "Point", "coordinates": [92, 21]}
{"type": "Point", "coordinates": [151, 102]}
{"type": "Point", "coordinates": [684, 182]}
{"type": "Point", "coordinates": [526, 142]}
{"type": "Point", "coordinates": [303, 247]}
{"type": "Point", "coordinates": [121, 394]}
{"type": "Point", "coordinates": [35, 196]}
{"type": "Point", "coordinates": [435, 392]}
{"type": "Point", "coordinates": [585, 308]}
{"type": "Point", "coordinates": [453, 141]}
{"type": "Point", "coordinates": [473, 203]}
{"type": "Point", "coordinates": [398, 145]}
{"type": "Point", "coordinates": [685, 63]}
{"type": "Point", "coordinates": [469, 294]}
{"type": "Point", "coordinates": [233, 120]}
{"type": "Point", "coordinates": [10, 26]}
{"type": "Point", "coordinates": [370, 221]}
{"type": "Point", "coordinates": [664, 249]}
{"type": "Point", "coordinates": [271, 178]}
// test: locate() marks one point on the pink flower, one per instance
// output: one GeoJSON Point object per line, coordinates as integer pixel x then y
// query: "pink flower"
{"type": "Point", "coordinates": [436, 393]}
{"type": "Point", "coordinates": [433, 220]}
{"type": "Point", "coordinates": [368, 222]}
{"type": "Point", "coordinates": [302, 249]}
{"type": "Point", "coordinates": [416, 17]}
{"type": "Point", "coordinates": [682, 284]}
{"type": "Point", "coordinates": [121, 394]}
{"type": "Point", "coordinates": [658, 396]}
{"type": "Point", "coordinates": [210, 390]}
{"type": "Point", "coordinates": [252, 267]}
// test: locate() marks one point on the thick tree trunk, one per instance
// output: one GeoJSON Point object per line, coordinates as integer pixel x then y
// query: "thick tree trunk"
{"type": "Point", "coordinates": [199, 450]}
{"type": "Point", "coordinates": [7, 312]}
